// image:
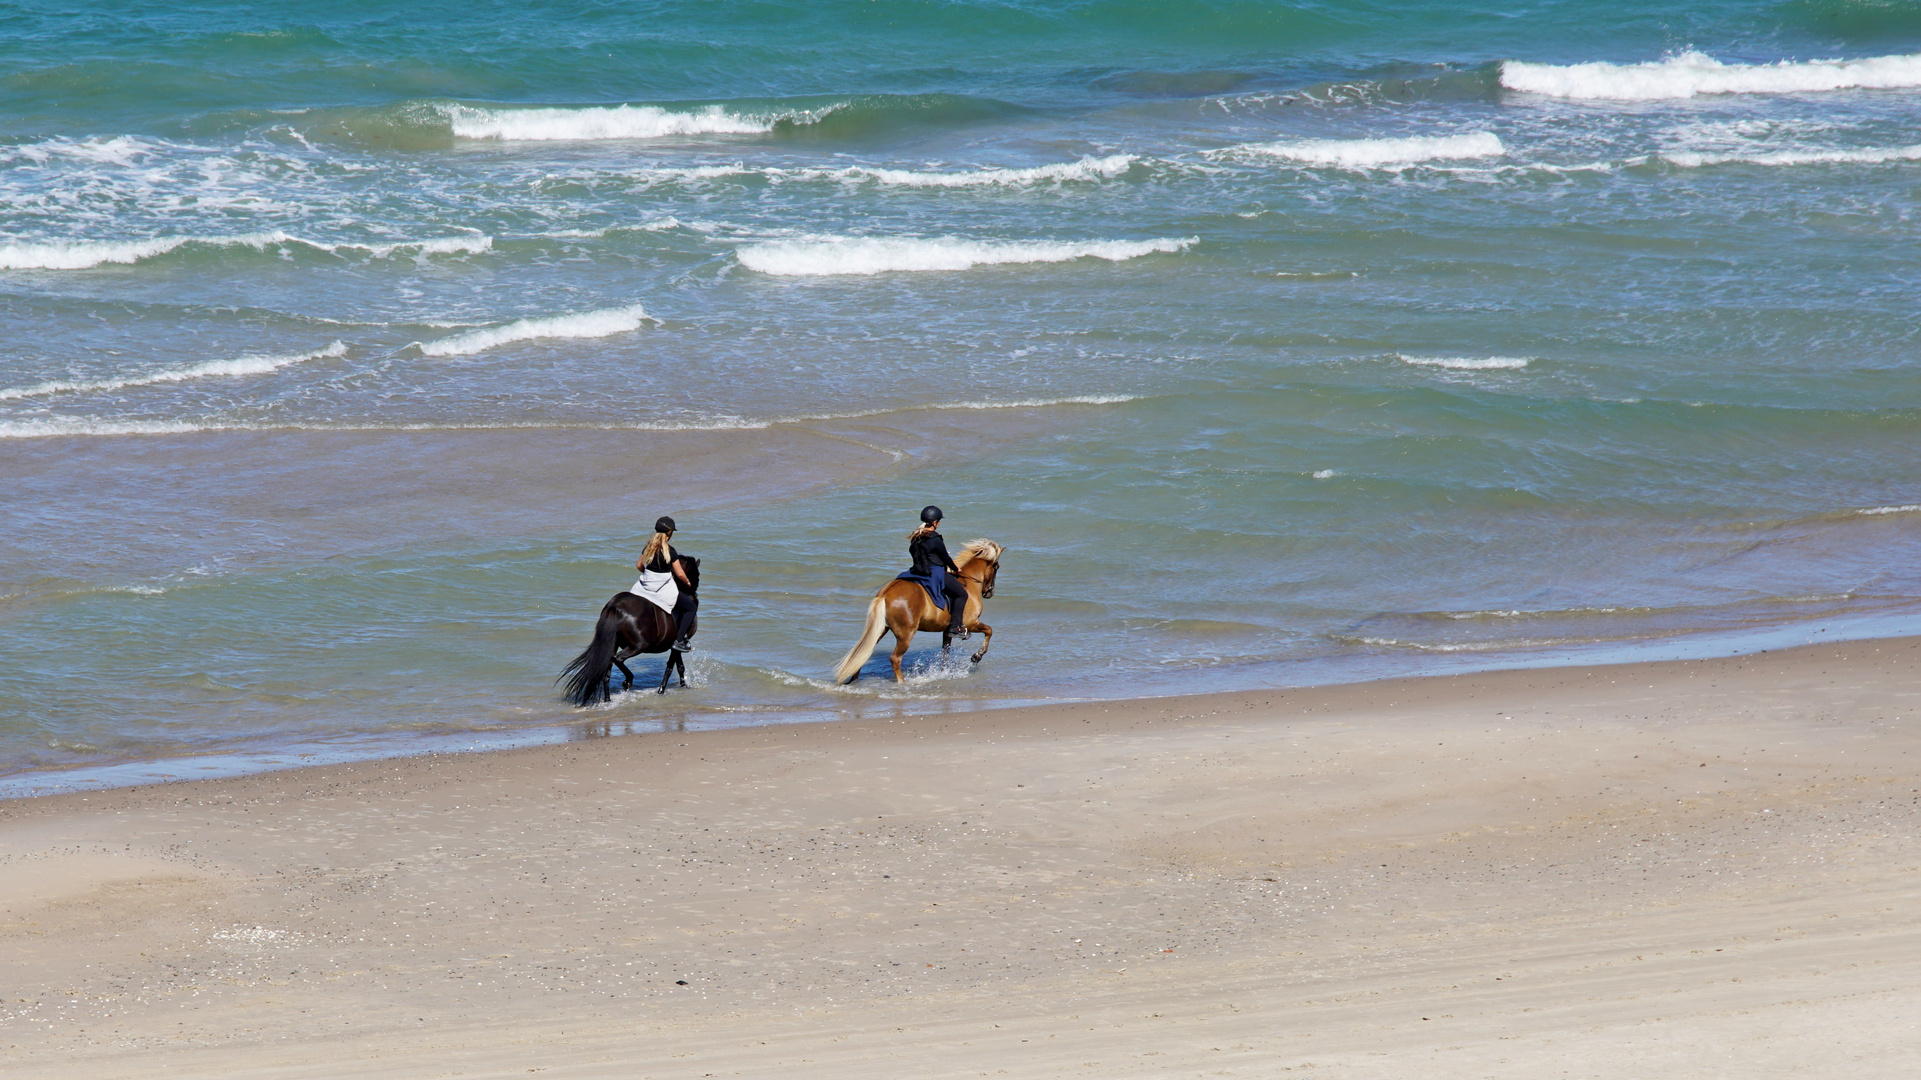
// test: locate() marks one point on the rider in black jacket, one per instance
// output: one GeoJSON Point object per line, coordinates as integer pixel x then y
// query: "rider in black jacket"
{"type": "Point", "coordinates": [928, 550]}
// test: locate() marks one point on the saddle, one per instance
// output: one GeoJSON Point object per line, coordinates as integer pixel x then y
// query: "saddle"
{"type": "Point", "coordinates": [934, 581]}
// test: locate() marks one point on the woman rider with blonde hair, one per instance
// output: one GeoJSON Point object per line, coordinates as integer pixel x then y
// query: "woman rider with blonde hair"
{"type": "Point", "coordinates": [660, 566]}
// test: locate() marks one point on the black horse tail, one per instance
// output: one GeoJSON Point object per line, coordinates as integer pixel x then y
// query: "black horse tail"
{"type": "Point", "coordinates": [586, 676]}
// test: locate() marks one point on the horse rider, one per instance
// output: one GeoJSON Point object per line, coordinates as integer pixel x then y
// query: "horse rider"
{"type": "Point", "coordinates": [931, 562]}
{"type": "Point", "coordinates": [660, 570]}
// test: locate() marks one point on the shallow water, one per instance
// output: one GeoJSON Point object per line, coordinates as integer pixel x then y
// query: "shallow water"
{"type": "Point", "coordinates": [347, 355]}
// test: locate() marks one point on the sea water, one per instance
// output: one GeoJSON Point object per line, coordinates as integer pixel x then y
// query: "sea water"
{"type": "Point", "coordinates": [349, 351]}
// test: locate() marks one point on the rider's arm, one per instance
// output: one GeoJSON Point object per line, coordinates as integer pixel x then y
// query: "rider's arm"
{"type": "Point", "coordinates": [680, 575]}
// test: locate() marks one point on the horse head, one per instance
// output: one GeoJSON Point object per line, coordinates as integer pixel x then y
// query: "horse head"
{"type": "Point", "coordinates": [988, 554]}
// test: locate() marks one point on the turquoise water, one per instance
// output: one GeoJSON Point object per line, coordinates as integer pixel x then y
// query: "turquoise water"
{"type": "Point", "coordinates": [348, 354]}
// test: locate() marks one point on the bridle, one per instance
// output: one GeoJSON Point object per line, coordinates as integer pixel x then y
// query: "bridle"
{"type": "Point", "coordinates": [988, 576]}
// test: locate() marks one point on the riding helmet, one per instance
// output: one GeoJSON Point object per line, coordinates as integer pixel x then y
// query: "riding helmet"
{"type": "Point", "coordinates": [931, 514]}
{"type": "Point", "coordinates": [664, 524]}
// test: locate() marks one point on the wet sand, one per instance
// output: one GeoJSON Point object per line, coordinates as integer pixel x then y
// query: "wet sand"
{"type": "Point", "coordinates": [1701, 869]}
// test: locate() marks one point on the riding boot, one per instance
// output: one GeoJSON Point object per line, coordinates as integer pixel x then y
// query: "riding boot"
{"type": "Point", "coordinates": [681, 644]}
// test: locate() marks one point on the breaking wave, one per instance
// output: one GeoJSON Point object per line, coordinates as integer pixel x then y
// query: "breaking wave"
{"type": "Point", "coordinates": [1691, 73]}
{"type": "Point", "coordinates": [86, 254]}
{"type": "Point", "coordinates": [245, 365]}
{"type": "Point", "coordinates": [614, 122]}
{"type": "Point", "coordinates": [873, 255]}
{"type": "Point", "coordinates": [586, 324]}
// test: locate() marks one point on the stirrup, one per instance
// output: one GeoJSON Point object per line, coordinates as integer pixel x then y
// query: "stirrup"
{"type": "Point", "coordinates": [683, 645]}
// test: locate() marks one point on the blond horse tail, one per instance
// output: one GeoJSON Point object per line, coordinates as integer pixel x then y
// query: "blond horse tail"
{"type": "Point", "coordinates": [869, 637]}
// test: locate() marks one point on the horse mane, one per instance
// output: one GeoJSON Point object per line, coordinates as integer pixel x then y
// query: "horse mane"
{"type": "Point", "coordinates": [979, 549]}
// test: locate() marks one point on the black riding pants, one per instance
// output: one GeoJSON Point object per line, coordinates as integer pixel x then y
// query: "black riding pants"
{"type": "Point", "coordinates": [956, 602]}
{"type": "Point", "coordinates": [687, 615]}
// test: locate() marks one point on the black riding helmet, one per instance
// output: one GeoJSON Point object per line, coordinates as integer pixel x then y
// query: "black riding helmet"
{"type": "Point", "coordinates": [930, 514]}
{"type": "Point", "coordinates": [664, 524]}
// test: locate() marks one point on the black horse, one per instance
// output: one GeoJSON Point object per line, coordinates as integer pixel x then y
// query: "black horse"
{"type": "Point", "coordinates": [629, 626]}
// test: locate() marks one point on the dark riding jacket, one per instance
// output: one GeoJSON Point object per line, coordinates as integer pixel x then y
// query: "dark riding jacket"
{"type": "Point", "coordinates": [928, 551]}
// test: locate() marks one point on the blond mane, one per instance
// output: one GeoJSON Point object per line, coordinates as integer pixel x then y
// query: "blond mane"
{"type": "Point", "coordinates": [979, 549]}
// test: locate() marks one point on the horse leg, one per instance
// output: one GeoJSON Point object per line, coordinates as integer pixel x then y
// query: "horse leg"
{"type": "Point", "coordinates": [901, 640]}
{"type": "Point", "coordinates": [666, 671]}
{"type": "Point", "coordinates": [987, 638]}
{"type": "Point", "coordinates": [680, 665]}
{"type": "Point", "coordinates": [628, 675]}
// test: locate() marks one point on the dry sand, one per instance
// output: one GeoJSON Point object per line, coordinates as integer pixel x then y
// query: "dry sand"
{"type": "Point", "coordinates": [1686, 869]}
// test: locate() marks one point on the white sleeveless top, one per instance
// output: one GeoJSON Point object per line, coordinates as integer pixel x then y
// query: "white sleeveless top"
{"type": "Point", "coordinates": [659, 587]}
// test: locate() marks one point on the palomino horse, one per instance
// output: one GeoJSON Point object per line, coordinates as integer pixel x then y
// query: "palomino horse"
{"type": "Point", "coordinates": [903, 607]}
{"type": "Point", "coordinates": [629, 625]}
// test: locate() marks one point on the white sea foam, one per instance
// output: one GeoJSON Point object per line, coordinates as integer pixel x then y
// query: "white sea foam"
{"type": "Point", "coordinates": [876, 255]}
{"type": "Point", "coordinates": [1875, 156]}
{"type": "Point", "coordinates": [442, 245]}
{"type": "Point", "coordinates": [244, 365]}
{"type": "Point", "coordinates": [86, 254]}
{"type": "Point", "coordinates": [1909, 509]}
{"type": "Point", "coordinates": [1462, 363]}
{"type": "Point", "coordinates": [1379, 153]}
{"type": "Point", "coordinates": [68, 426]}
{"type": "Point", "coordinates": [1459, 647]}
{"type": "Point", "coordinates": [42, 429]}
{"type": "Point", "coordinates": [121, 150]}
{"type": "Point", "coordinates": [611, 122]}
{"type": "Point", "coordinates": [587, 324]}
{"type": "Point", "coordinates": [1326, 474]}
{"type": "Point", "coordinates": [1687, 74]}
{"type": "Point", "coordinates": [1087, 168]}
{"type": "Point", "coordinates": [656, 225]}
{"type": "Point", "coordinates": [81, 254]}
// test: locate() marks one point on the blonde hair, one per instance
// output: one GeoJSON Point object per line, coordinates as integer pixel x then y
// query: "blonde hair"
{"type": "Point", "coordinates": [656, 547]}
{"type": "Point", "coordinates": [918, 533]}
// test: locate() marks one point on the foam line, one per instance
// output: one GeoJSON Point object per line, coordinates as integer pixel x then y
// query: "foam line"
{"type": "Point", "coordinates": [875, 255]}
{"type": "Point", "coordinates": [63, 426]}
{"type": "Point", "coordinates": [1377, 153]}
{"type": "Point", "coordinates": [1690, 73]}
{"type": "Point", "coordinates": [1458, 363]}
{"type": "Point", "coordinates": [245, 365]}
{"type": "Point", "coordinates": [1087, 168]}
{"type": "Point", "coordinates": [587, 324]}
{"type": "Point", "coordinates": [86, 254]}
{"type": "Point", "coordinates": [442, 245]}
{"type": "Point", "coordinates": [1689, 160]}
{"type": "Point", "coordinates": [609, 122]}
{"type": "Point", "coordinates": [83, 254]}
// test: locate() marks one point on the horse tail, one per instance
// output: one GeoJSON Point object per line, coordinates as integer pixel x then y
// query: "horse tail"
{"type": "Point", "coordinates": [586, 676]}
{"type": "Point", "coordinates": [864, 648]}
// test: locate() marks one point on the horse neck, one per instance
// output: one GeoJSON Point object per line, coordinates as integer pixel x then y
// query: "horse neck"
{"type": "Point", "coordinates": [971, 572]}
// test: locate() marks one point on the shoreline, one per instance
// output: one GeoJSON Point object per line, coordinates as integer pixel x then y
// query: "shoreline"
{"type": "Point", "coordinates": [186, 768]}
{"type": "Point", "coordinates": [1698, 867]}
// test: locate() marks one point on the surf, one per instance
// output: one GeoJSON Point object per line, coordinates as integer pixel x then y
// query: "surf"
{"type": "Point", "coordinates": [1691, 74]}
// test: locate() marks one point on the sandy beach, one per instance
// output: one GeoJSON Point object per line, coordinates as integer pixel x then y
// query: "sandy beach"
{"type": "Point", "coordinates": [1690, 868]}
